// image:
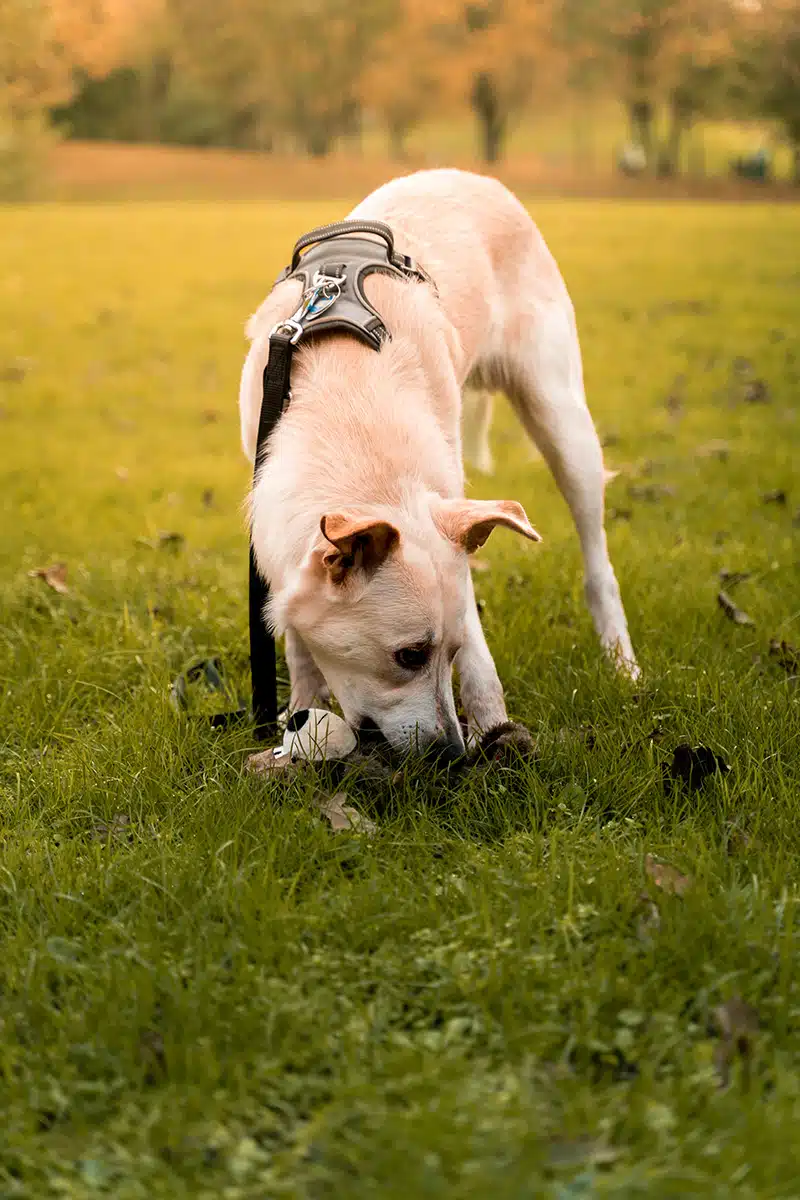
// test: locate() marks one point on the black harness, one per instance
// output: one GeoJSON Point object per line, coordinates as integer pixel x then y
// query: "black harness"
{"type": "Point", "coordinates": [333, 301]}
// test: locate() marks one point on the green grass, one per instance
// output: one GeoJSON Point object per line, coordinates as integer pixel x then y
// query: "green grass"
{"type": "Point", "coordinates": [222, 998]}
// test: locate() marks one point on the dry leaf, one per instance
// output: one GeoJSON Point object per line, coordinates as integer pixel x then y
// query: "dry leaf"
{"type": "Point", "coordinates": [756, 392]}
{"type": "Point", "coordinates": [717, 448]}
{"type": "Point", "coordinates": [786, 655]}
{"type": "Point", "coordinates": [268, 761]}
{"type": "Point", "coordinates": [692, 765]}
{"type": "Point", "coordinates": [55, 576]}
{"type": "Point", "coordinates": [733, 577]}
{"type": "Point", "coordinates": [648, 919]}
{"type": "Point", "coordinates": [735, 614]}
{"type": "Point", "coordinates": [667, 878]}
{"type": "Point", "coordinates": [736, 1023]}
{"type": "Point", "coordinates": [344, 816]}
{"type": "Point", "coordinates": [117, 827]}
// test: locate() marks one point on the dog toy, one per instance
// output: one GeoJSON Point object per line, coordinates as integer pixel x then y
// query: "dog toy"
{"type": "Point", "coordinates": [311, 735]}
{"type": "Point", "coordinates": [315, 735]}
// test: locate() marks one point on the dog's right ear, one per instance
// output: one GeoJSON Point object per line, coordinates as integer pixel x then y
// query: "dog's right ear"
{"type": "Point", "coordinates": [357, 541]}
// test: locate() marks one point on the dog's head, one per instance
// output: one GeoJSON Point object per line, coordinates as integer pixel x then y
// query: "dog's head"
{"type": "Point", "coordinates": [381, 602]}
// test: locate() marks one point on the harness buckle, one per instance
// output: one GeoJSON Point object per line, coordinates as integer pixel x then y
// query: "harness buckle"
{"type": "Point", "coordinates": [290, 325]}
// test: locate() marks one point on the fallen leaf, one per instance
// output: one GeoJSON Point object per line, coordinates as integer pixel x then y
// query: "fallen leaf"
{"type": "Point", "coordinates": [776, 496]}
{"type": "Point", "coordinates": [267, 761]}
{"type": "Point", "coordinates": [478, 565]}
{"type": "Point", "coordinates": [152, 1056]}
{"type": "Point", "coordinates": [692, 765]}
{"type": "Point", "coordinates": [756, 391]}
{"type": "Point", "coordinates": [115, 829]}
{"type": "Point", "coordinates": [786, 655]}
{"type": "Point", "coordinates": [736, 1023]}
{"type": "Point", "coordinates": [732, 612]}
{"type": "Point", "coordinates": [653, 492]}
{"type": "Point", "coordinates": [16, 370]}
{"type": "Point", "coordinates": [54, 576]}
{"type": "Point", "coordinates": [667, 878]}
{"type": "Point", "coordinates": [344, 816]}
{"type": "Point", "coordinates": [648, 918]}
{"type": "Point", "coordinates": [733, 577]}
{"type": "Point", "coordinates": [715, 449]}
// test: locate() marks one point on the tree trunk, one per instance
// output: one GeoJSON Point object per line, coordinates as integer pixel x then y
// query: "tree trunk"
{"type": "Point", "coordinates": [491, 119]}
{"type": "Point", "coordinates": [397, 140]}
{"type": "Point", "coordinates": [641, 118]}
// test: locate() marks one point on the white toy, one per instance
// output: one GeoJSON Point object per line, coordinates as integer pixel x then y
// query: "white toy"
{"type": "Point", "coordinates": [312, 735]}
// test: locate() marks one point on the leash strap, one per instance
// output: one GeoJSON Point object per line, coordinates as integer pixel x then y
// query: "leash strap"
{"type": "Point", "coordinates": [354, 316]}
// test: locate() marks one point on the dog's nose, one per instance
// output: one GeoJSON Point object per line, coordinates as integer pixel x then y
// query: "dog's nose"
{"type": "Point", "coordinates": [444, 751]}
{"type": "Point", "coordinates": [369, 733]}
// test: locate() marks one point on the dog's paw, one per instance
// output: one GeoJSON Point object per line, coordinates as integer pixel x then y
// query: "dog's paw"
{"type": "Point", "coordinates": [505, 744]}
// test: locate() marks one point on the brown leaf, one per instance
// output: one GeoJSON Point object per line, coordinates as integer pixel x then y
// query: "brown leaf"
{"type": "Point", "coordinates": [16, 370]}
{"type": "Point", "coordinates": [343, 816]}
{"type": "Point", "coordinates": [667, 878]}
{"type": "Point", "coordinates": [733, 577]}
{"type": "Point", "coordinates": [151, 1055]}
{"type": "Point", "coordinates": [107, 831]}
{"type": "Point", "coordinates": [54, 576]}
{"type": "Point", "coordinates": [756, 391]}
{"type": "Point", "coordinates": [786, 655]}
{"type": "Point", "coordinates": [653, 492]}
{"type": "Point", "coordinates": [732, 612]}
{"type": "Point", "coordinates": [648, 920]}
{"type": "Point", "coordinates": [715, 449]}
{"type": "Point", "coordinates": [736, 1024]}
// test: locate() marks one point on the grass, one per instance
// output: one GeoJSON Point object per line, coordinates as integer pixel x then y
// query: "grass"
{"type": "Point", "coordinates": [206, 993]}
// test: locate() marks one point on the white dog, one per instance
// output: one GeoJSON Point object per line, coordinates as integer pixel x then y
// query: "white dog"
{"type": "Point", "coordinates": [359, 520]}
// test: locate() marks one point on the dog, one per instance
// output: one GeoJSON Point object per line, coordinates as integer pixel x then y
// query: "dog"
{"type": "Point", "coordinates": [358, 514]}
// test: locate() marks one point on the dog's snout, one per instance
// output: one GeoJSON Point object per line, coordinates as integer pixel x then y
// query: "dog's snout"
{"type": "Point", "coordinates": [445, 750]}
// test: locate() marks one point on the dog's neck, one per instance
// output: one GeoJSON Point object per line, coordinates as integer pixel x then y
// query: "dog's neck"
{"type": "Point", "coordinates": [363, 429]}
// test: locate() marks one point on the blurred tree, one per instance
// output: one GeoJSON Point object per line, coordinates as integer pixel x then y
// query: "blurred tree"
{"type": "Point", "coordinates": [403, 79]}
{"type": "Point", "coordinates": [507, 52]}
{"type": "Point", "coordinates": [771, 60]}
{"type": "Point", "coordinates": [43, 43]}
{"type": "Point", "coordinates": [282, 67]}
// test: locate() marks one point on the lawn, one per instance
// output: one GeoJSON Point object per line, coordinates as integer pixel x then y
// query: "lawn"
{"type": "Point", "coordinates": [204, 990]}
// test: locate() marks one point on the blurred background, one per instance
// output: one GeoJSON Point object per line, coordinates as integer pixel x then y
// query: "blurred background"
{"type": "Point", "coordinates": [107, 97]}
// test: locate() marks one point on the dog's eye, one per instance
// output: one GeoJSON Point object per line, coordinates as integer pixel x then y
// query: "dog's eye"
{"type": "Point", "coordinates": [413, 658]}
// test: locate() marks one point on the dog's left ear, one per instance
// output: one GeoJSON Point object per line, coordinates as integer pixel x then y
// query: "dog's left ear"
{"type": "Point", "coordinates": [468, 523]}
{"type": "Point", "coordinates": [357, 541]}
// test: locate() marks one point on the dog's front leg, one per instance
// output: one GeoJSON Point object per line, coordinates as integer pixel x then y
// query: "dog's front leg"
{"type": "Point", "coordinates": [480, 686]}
{"type": "Point", "coordinates": [308, 686]}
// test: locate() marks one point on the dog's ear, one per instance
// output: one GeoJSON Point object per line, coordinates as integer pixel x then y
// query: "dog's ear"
{"type": "Point", "coordinates": [357, 541]}
{"type": "Point", "coordinates": [468, 523]}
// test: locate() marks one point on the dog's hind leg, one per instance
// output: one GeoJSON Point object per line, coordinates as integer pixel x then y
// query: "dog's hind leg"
{"type": "Point", "coordinates": [476, 421]}
{"type": "Point", "coordinates": [545, 387]}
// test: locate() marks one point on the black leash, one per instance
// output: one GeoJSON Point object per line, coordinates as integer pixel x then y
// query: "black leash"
{"type": "Point", "coordinates": [332, 300]}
